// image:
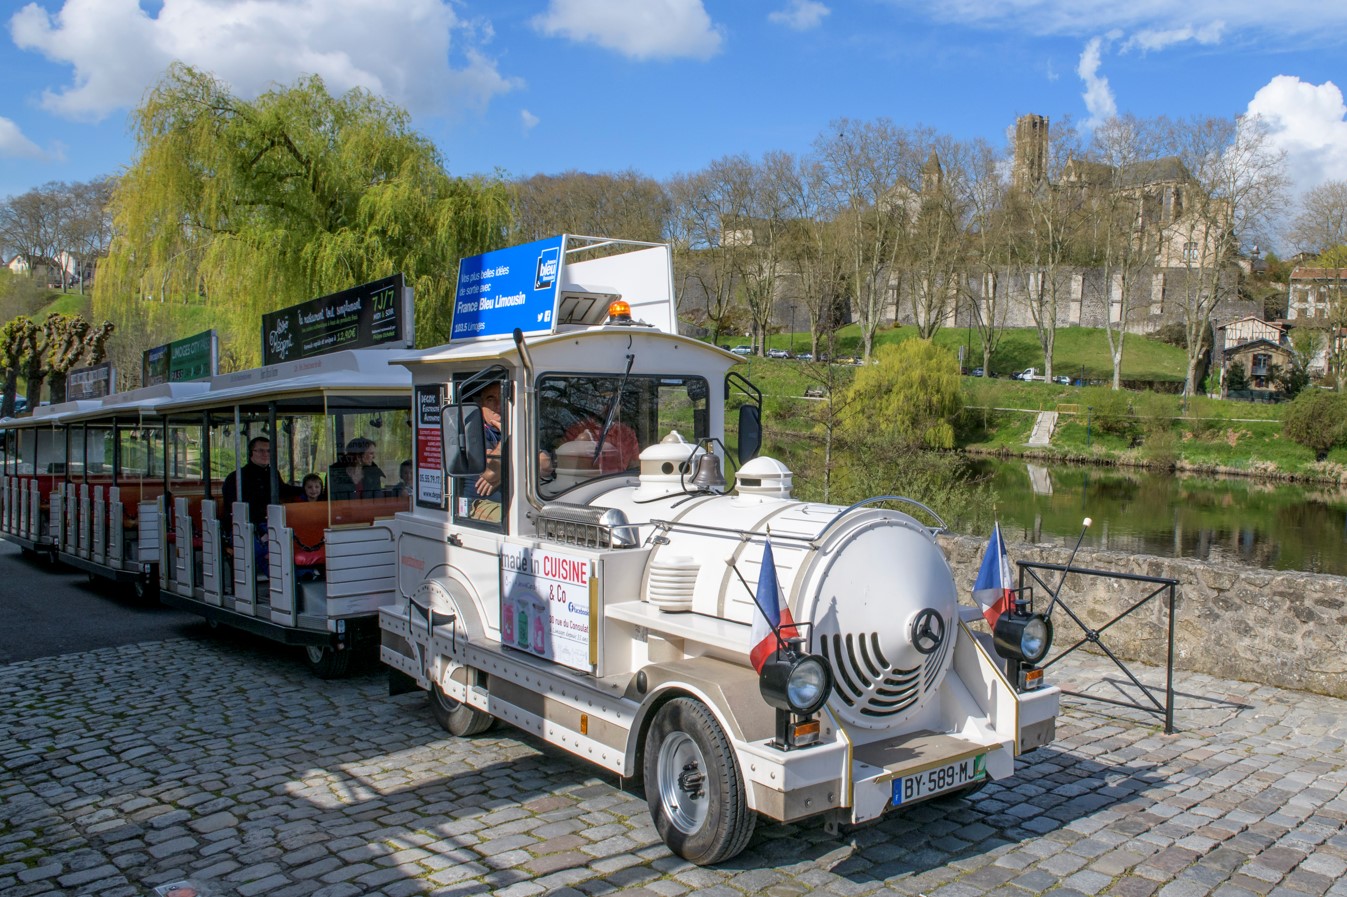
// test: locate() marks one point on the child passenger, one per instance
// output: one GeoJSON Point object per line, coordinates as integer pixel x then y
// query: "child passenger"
{"type": "Point", "coordinates": [313, 488]}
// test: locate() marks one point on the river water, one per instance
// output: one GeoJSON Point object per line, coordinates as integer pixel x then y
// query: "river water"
{"type": "Point", "coordinates": [1278, 526]}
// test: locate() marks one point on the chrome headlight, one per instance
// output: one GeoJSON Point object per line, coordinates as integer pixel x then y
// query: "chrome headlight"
{"type": "Point", "coordinates": [798, 683]}
{"type": "Point", "coordinates": [1023, 637]}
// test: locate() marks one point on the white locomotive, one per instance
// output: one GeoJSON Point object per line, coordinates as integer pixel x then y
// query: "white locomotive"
{"type": "Point", "coordinates": [574, 565]}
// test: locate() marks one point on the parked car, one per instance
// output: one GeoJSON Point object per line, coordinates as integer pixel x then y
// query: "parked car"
{"type": "Point", "coordinates": [1062, 379]}
{"type": "Point", "coordinates": [742, 350]}
{"type": "Point", "coordinates": [777, 353]}
{"type": "Point", "coordinates": [1027, 374]}
{"type": "Point", "coordinates": [977, 372]}
{"type": "Point", "coordinates": [805, 356]}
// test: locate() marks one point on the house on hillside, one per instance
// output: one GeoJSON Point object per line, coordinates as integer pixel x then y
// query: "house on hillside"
{"type": "Point", "coordinates": [1314, 292]}
{"type": "Point", "coordinates": [1261, 348]}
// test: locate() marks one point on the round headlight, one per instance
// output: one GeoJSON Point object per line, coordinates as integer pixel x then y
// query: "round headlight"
{"type": "Point", "coordinates": [1034, 640]}
{"type": "Point", "coordinates": [1023, 637]}
{"type": "Point", "coordinates": [807, 686]}
{"type": "Point", "coordinates": [800, 684]}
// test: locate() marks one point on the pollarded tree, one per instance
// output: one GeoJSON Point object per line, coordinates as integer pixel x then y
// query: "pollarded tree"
{"type": "Point", "coordinates": [249, 206]}
{"type": "Point", "coordinates": [14, 340]}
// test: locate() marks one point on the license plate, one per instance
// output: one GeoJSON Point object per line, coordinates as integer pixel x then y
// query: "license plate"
{"type": "Point", "coordinates": [922, 785]}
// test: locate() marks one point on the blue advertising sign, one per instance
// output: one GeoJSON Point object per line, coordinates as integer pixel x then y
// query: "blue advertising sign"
{"type": "Point", "coordinates": [515, 287]}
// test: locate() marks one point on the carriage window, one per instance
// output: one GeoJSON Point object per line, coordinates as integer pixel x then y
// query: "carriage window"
{"type": "Point", "coordinates": [590, 427]}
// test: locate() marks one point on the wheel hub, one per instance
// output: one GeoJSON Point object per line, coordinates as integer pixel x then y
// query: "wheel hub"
{"type": "Point", "coordinates": [681, 783]}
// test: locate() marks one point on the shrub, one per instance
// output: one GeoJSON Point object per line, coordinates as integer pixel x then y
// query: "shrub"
{"type": "Point", "coordinates": [1317, 419]}
{"type": "Point", "coordinates": [1110, 411]}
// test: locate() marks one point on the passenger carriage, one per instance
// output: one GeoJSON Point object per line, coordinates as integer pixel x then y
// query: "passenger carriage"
{"type": "Point", "coordinates": [36, 474]}
{"type": "Point", "coordinates": [312, 574]}
{"type": "Point", "coordinates": [117, 455]}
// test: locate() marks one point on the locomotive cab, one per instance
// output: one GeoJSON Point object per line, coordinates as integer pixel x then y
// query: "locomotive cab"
{"type": "Point", "coordinates": [575, 565]}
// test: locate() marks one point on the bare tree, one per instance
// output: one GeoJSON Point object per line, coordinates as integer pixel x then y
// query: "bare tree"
{"type": "Point", "coordinates": [990, 247]}
{"type": "Point", "coordinates": [934, 243]}
{"type": "Point", "coordinates": [864, 165]}
{"type": "Point", "coordinates": [1239, 187]}
{"type": "Point", "coordinates": [814, 252]}
{"type": "Point", "coordinates": [1118, 247]}
{"type": "Point", "coordinates": [1321, 223]}
{"type": "Point", "coordinates": [626, 204]}
{"type": "Point", "coordinates": [1048, 219]}
{"type": "Point", "coordinates": [708, 207]}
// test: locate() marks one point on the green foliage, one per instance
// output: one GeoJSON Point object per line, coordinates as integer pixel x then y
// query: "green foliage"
{"type": "Point", "coordinates": [1317, 419]}
{"type": "Point", "coordinates": [911, 397]}
{"type": "Point", "coordinates": [1235, 377]}
{"type": "Point", "coordinates": [1110, 411]}
{"type": "Point", "coordinates": [246, 207]}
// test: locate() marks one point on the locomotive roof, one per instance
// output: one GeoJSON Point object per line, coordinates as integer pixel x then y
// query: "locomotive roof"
{"type": "Point", "coordinates": [552, 347]}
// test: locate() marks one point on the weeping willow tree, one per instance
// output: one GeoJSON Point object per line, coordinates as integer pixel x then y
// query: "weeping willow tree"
{"type": "Point", "coordinates": [897, 430]}
{"type": "Point", "coordinates": [233, 208]}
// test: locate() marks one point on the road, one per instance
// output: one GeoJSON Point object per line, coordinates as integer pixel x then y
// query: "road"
{"type": "Point", "coordinates": [50, 611]}
{"type": "Point", "coordinates": [166, 752]}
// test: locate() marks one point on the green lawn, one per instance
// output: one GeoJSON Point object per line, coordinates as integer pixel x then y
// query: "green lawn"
{"type": "Point", "coordinates": [1078, 351]}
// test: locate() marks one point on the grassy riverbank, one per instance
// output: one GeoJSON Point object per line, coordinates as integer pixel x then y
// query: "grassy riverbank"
{"type": "Point", "coordinates": [1094, 424]}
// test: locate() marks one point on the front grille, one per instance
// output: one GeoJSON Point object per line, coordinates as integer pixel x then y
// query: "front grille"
{"type": "Point", "coordinates": [868, 684]}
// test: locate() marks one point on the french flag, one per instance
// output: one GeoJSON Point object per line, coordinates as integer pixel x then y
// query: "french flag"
{"type": "Point", "coordinates": [993, 590]}
{"type": "Point", "coordinates": [771, 617]}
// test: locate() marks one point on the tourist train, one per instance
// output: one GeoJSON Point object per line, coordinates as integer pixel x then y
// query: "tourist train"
{"type": "Point", "coordinates": [561, 551]}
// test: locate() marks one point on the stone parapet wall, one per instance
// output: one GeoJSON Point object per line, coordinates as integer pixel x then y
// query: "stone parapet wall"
{"type": "Point", "coordinates": [1284, 629]}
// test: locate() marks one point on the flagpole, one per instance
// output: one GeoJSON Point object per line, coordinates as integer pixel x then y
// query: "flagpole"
{"type": "Point", "coordinates": [776, 631]}
{"type": "Point", "coordinates": [1084, 528]}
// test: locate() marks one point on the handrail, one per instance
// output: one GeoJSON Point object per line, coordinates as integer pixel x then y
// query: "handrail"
{"type": "Point", "coordinates": [869, 501]}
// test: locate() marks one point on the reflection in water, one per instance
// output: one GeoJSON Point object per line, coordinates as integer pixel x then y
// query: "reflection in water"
{"type": "Point", "coordinates": [1280, 526]}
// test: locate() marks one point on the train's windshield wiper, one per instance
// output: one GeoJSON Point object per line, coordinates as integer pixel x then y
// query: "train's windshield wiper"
{"type": "Point", "coordinates": [612, 410]}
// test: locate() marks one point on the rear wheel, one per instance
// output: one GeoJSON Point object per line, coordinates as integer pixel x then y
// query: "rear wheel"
{"type": "Point", "coordinates": [142, 589]}
{"type": "Point", "coordinates": [457, 718]}
{"type": "Point", "coordinates": [693, 785]}
{"type": "Point", "coordinates": [327, 662]}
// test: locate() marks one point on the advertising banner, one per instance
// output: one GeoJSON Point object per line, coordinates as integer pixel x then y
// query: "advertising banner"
{"type": "Point", "coordinates": [194, 358]}
{"type": "Point", "coordinates": [429, 447]}
{"type": "Point", "coordinates": [507, 289]}
{"type": "Point", "coordinates": [544, 604]}
{"type": "Point", "coordinates": [93, 382]}
{"type": "Point", "coordinates": [376, 315]}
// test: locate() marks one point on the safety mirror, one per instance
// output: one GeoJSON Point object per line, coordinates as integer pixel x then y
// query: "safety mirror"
{"type": "Point", "coordinates": [464, 436]}
{"type": "Point", "coordinates": [750, 432]}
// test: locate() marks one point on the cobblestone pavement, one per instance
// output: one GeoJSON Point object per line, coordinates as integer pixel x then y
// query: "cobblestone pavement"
{"type": "Point", "coordinates": [225, 763]}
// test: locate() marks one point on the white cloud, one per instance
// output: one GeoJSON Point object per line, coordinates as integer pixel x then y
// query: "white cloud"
{"type": "Point", "coordinates": [652, 29]}
{"type": "Point", "coordinates": [14, 144]}
{"type": "Point", "coordinates": [1098, 95]}
{"type": "Point", "coordinates": [800, 15]}
{"type": "Point", "coordinates": [528, 119]}
{"type": "Point", "coordinates": [116, 49]}
{"type": "Point", "coordinates": [1074, 17]}
{"type": "Point", "coordinates": [1309, 122]}
{"type": "Point", "coordinates": [1149, 40]}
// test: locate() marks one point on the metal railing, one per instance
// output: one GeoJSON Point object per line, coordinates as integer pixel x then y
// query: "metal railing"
{"type": "Point", "coordinates": [1029, 574]}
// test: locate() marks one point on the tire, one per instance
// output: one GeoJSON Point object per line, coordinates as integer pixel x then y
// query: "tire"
{"type": "Point", "coordinates": [327, 662]}
{"type": "Point", "coordinates": [143, 589]}
{"type": "Point", "coordinates": [693, 785]}
{"type": "Point", "coordinates": [457, 718]}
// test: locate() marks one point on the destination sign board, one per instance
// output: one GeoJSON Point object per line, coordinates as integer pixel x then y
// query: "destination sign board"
{"type": "Point", "coordinates": [193, 358]}
{"type": "Point", "coordinates": [507, 289]}
{"type": "Point", "coordinates": [376, 315]}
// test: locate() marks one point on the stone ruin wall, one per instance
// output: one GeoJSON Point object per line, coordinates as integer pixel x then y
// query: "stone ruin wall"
{"type": "Point", "coordinates": [1279, 628]}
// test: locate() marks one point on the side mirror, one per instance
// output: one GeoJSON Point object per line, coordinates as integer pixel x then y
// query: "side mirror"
{"type": "Point", "coordinates": [464, 436]}
{"type": "Point", "coordinates": [750, 432]}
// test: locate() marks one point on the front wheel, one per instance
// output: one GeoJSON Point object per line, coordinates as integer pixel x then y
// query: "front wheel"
{"type": "Point", "coordinates": [693, 785]}
{"type": "Point", "coordinates": [457, 718]}
{"type": "Point", "coordinates": [327, 662]}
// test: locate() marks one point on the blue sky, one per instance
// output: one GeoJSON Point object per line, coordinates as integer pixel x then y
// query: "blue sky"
{"type": "Point", "coordinates": [667, 86]}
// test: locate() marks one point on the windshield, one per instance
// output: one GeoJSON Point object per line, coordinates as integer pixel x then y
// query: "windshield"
{"type": "Point", "coordinates": [574, 409]}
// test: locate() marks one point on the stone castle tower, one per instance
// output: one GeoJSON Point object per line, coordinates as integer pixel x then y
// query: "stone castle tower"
{"type": "Point", "coordinates": [1030, 167]}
